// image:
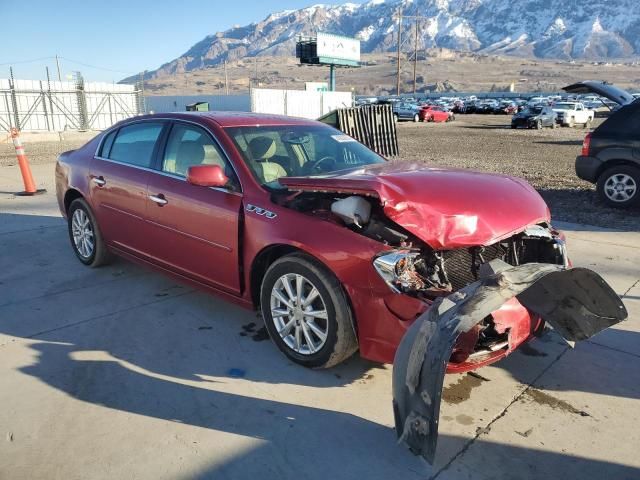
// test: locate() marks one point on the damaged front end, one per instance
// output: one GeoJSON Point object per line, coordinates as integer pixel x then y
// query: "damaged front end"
{"type": "Point", "coordinates": [576, 302]}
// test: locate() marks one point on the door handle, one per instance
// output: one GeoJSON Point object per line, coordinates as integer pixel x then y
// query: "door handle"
{"type": "Point", "coordinates": [99, 181]}
{"type": "Point", "coordinates": [159, 199]}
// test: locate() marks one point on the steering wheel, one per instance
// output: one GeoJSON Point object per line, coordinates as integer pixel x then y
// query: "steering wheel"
{"type": "Point", "coordinates": [311, 167]}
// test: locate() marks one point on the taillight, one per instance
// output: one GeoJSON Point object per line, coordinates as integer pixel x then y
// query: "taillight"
{"type": "Point", "coordinates": [586, 143]}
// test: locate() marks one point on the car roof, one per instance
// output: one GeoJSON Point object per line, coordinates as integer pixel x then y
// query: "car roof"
{"type": "Point", "coordinates": [234, 119]}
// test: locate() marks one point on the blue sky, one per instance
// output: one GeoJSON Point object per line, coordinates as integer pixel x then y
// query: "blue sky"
{"type": "Point", "coordinates": [123, 36]}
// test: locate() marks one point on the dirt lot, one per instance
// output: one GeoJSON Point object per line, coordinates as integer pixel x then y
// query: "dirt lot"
{"type": "Point", "coordinates": [480, 142]}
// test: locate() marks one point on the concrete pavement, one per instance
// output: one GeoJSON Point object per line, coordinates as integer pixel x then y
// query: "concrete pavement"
{"type": "Point", "coordinates": [119, 372]}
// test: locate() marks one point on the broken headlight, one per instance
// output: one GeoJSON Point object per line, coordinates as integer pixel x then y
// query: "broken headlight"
{"type": "Point", "coordinates": [397, 269]}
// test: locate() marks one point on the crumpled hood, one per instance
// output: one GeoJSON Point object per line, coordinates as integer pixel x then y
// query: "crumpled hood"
{"type": "Point", "coordinates": [446, 208]}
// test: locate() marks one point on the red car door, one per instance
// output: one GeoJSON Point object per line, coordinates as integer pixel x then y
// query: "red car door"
{"type": "Point", "coordinates": [118, 185]}
{"type": "Point", "coordinates": [193, 229]}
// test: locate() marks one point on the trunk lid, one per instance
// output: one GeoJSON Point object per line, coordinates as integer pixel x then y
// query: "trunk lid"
{"type": "Point", "coordinates": [445, 208]}
{"type": "Point", "coordinates": [604, 89]}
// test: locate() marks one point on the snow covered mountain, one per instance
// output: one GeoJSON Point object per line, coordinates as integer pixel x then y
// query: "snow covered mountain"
{"type": "Point", "coordinates": [564, 29]}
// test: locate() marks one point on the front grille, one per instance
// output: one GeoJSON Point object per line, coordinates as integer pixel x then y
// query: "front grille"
{"type": "Point", "coordinates": [462, 265]}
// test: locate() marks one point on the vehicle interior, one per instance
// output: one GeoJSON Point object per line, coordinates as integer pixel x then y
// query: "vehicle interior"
{"type": "Point", "coordinates": [275, 152]}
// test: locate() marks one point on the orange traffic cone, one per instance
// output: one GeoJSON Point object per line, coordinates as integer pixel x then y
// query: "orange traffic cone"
{"type": "Point", "coordinates": [25, 170]}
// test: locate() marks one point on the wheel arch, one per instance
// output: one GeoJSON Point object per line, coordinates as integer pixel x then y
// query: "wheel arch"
{"type": "Point", "coordinates": [614, 162]}
{"type": "Point", "coordinates": [71, 195]}
{"type": "Point", "coordinates": [268, 255]}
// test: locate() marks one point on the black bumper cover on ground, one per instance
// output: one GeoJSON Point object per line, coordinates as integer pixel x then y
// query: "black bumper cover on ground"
{"type": "Point", "coordinates": [577, 303]}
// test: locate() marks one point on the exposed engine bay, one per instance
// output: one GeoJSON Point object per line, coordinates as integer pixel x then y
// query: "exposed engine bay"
{"type": "Point", "coordinates": [412, 267]}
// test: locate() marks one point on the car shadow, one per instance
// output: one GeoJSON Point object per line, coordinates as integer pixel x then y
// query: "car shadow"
{"type": "Point", "coordinates": [178, 361]}
{"type": "Point", "coordinates": [560, 142]}
{"type": "Point", "coordinates": [583, 206]}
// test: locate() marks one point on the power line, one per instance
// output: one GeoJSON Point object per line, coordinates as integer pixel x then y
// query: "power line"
{"type": "Point", "coordinates": [26, 61]}
{"type": "Point", "coordinates": [53, 57]}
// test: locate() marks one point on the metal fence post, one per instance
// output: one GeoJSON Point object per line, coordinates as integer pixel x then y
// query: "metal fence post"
{"type": "Point", "coordinates": [14, 100]}
{"type": "Point", "coordinates": [139, 93]}
{"type": "Point", "coordinates": [81, 99]}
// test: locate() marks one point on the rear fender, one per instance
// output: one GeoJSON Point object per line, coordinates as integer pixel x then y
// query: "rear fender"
{"type": "Point", "coordinates": [577, 302]}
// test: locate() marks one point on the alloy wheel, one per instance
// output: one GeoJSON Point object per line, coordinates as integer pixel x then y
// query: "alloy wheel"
{"type": "Point", "coordinates": [82, 232]}
{"type": "Point", "coordinates": [620, 187]}
{"type": "Point", "coordinates": [299, 314]}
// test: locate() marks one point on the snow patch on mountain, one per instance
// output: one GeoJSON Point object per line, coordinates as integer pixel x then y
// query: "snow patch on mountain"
{"type": "Point", "coordinates": [551, 29]}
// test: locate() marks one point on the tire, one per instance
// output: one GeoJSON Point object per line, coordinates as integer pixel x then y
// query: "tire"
{"type": "Point", "coordinates": [554, 125]}
{"type": "Point", "coordinates": [539, 125]}
{"type": "Point", "coordinates": [571, 123]}
{"type": "Point", "coordinates": [395, 117]}
{"type": "Point", "coordinates": [340, 339]}
{"type": "Point", "coordinates": [622, 174]}
{"type": "Point", "coordinates": [587, 123]}
{"type": "Point", "coordinates": [92, 252]}
{"type": "Point", "coordinates": [416, 118]}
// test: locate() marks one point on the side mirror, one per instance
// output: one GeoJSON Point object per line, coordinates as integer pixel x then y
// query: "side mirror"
{"type": "Point", "coordinates": [207, 176]}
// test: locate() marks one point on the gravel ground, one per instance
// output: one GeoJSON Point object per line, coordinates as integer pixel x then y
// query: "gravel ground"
{"type": "Point", "coordinates": [480, 142]}
{"type": "Point", "coordinates": [545, 158]}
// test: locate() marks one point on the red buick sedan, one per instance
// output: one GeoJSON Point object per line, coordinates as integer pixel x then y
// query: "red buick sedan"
{"type": "Point", "coordinates": [338, 248]}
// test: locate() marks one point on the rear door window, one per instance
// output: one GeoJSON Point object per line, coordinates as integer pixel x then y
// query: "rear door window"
{"type": "Point", "coordinates": [135, 144]}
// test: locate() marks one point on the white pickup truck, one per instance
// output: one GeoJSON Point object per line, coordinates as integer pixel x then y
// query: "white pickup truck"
{"type": "Point", "coordinates": [572, 113]}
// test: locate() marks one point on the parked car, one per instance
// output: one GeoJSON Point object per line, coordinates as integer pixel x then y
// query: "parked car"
{"type": "Point", "coordinates": [609, 156]}
{"type": "Point", "coordinates": [406, 111]}
{"type": "Point", "coordinates": [432, 113]}
{"type": "Point", "coordinates": [486, 106]}
{"type": "Point", "coordinates": [573, 113]}
{"type": "Point", "coordinates": [338, 248]}
{"type": "Point", "coordinates": [537, 116]}
{"type": "Point", "coordinates": [506, 108]}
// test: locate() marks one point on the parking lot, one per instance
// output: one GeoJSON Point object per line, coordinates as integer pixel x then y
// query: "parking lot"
{"type": "Point", "coordinates": [119, 372]}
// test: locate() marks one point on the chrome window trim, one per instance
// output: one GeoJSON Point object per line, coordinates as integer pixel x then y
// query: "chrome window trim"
{"type": "Point", "coordinates": [168, 119]}
{"type": "Point", "coordinates": [166, 174]}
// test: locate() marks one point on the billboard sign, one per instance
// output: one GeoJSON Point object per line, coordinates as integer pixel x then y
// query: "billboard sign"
{"type": "Point", "coordinates": [338, 47]}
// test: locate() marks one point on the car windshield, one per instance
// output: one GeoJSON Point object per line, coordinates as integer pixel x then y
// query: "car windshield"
{"type": "Point", "coordinates": [273, 152]}
{"type": "Point", "coordinates": [534, 110]}
{"type": "Point", "coordinates": [563, 106]}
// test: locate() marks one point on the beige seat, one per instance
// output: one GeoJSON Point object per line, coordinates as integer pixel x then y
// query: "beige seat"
{"type": "Point", "coordinates": [262, 150]}
{"type": "Point", "coordinates": [189, 153]}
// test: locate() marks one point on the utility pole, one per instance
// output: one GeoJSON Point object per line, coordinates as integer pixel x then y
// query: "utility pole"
{"type": "Point", "coordinates": [256, 70]}
{"type": "Point", "coordinates": [226, 79]}
{"type": "Point", "coordinates": [58, 66]}
{"type": "Point", "coordinates": [399, 45]}
{"type": "Point", "coordinates": [415, 57]}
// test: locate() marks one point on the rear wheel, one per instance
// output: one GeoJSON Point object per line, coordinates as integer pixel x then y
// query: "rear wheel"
{"type": "Point", "coordinates": [416, 118]}
{"type": "Point", "coordinates": [619, 186]}
{"type": "Point", "coordinates": [395, 117]}
{"type": "Point", "coordinates": [85, 236]}
{"type": "Point", "coordinates": [571, 123]}
{"type": "Point", "coordinates": [587, 123]}
{"type": "Point", "coordinates": [539, 125]}
{"type": "Point", "coordinates": [306, 312]}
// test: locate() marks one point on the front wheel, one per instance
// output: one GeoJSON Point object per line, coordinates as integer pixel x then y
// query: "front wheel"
{"type": "Point", "coordinates": [395, 117]}
{"type": "Point", "coordinates": [306, 312]}
{"type": "Point", "coordinates": [85, 236]}
{"type": "Point", "coordinates": [416, 118]}
{"type": "Point", "coordinates": [539, 125]}
{"type": "Point", "coordinates": [619, 186]}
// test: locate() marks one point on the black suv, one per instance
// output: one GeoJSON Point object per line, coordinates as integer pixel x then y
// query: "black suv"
{"type": "Point", "coordinates": [610, 155]}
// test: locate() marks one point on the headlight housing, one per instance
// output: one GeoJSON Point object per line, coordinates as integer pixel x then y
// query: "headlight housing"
{"type": "Point", "coordinates": [397, 269]}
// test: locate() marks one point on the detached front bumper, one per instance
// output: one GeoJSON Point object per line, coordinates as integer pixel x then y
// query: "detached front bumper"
{"type": "Point", "coordinates": [577, 303]}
